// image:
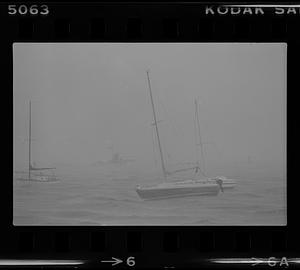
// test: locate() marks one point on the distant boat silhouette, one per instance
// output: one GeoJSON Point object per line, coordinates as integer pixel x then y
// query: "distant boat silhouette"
{"type": "Point", "coordinates": [115, 160]}
{"type": "Point", "coordinates": [45, 174]}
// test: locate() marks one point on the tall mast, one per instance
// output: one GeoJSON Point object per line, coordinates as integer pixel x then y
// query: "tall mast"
{"type": "Point", "coordinates": [29, 143]}
{"type": "Point", "coordinates": [199, 135]}
{"type": "Point", "coordinates": [156, 128]}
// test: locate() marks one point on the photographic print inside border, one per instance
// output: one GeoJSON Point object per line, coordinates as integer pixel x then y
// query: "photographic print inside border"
{"type": "Point", "coordinates": [149, 134]}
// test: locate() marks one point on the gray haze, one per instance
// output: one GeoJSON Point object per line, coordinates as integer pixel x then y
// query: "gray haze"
{"type": "Point", "coordinates": [87, 97]}
{"type": "Point", "coordinates": [91, 100]}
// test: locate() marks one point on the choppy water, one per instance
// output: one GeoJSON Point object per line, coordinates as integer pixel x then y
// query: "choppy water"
{"type": "Point", "coordinates": [110, 199]}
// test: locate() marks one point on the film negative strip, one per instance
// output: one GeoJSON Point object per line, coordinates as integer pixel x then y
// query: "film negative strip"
{"type": "Point", "coordinates": [120, 117]}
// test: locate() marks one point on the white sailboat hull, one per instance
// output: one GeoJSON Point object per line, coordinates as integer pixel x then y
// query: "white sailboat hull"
{"type": "Point", "coordinates": [225, 182]}
{"type": "Point", "coordinates": [178, 189]}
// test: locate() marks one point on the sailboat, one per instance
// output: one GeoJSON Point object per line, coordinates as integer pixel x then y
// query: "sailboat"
{"type": "Point", "coordinates": [36, 174]}
{"type": "Point", "coordinates": [225, 182]}
{"type": "Point", "coordinates": [184, 188]}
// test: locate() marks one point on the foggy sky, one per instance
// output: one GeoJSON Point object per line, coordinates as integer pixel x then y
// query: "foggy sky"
{"type": "Point", "coordinates": [88, 97]}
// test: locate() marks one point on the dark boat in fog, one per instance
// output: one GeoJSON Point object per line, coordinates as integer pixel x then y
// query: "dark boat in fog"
{"type": "Point", "coordinates": [116, 159]}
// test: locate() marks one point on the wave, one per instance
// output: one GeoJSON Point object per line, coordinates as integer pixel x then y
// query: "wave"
{"type": "Point", "coordinates": [271, 211]}
{"type": "Point", "coordinates": [107, 199]}
{"type": "Point", "coordinates": [250, 195]}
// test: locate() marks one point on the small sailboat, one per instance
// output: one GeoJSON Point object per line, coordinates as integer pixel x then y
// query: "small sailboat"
{"type": "Point", "coordinates": [184, 188]}
{"type": "Point", "coordinates": [36, 174]}
{"type": "Point", "coordinates": [225, 182]}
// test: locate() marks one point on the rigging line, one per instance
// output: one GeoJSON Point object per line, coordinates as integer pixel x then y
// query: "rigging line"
{"type": "Point", "coordinates": [200, 170]}
{"type": "Point", "coordinates": [196, 142]}
{"type": "Point", "coordinates": [29, 143]}
{"type": "Point", "coordinates": [153, 146]}
{"type": "Point", "coordinates": [196, 148]}
{"type": "Point", "coordinates": [199, 136]}
{"type": "Point", "coordinates": [173, 126]}
{"type": "Point", "coordinates": [165, 149]}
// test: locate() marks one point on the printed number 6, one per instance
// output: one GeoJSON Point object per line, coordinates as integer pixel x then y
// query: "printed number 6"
{"type": "Point", "coordinates": [33, 10]}
{"type": "Point", "coordinates": [130, 261]}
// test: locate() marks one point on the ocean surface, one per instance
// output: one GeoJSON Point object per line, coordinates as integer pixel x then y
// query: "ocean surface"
{"type": "Point", "coordinates": [95, 195]}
